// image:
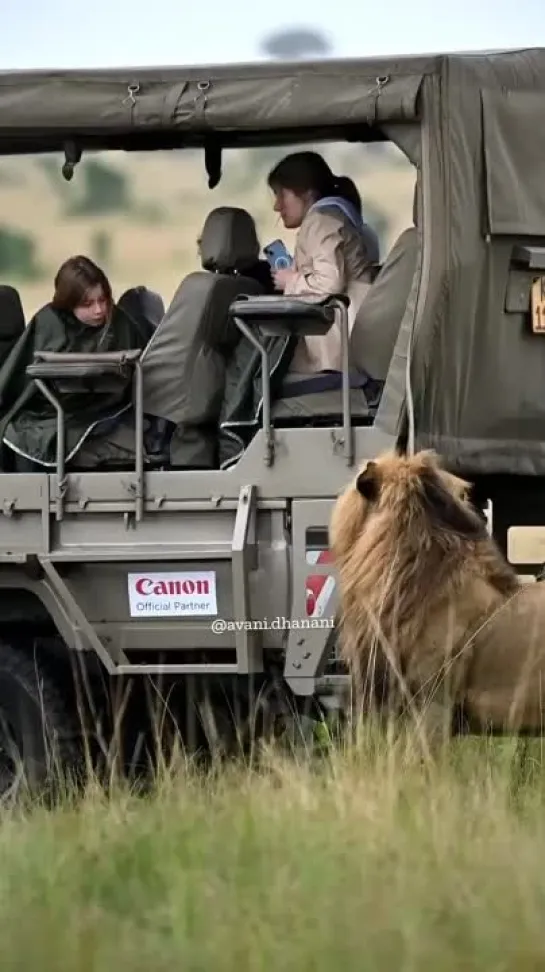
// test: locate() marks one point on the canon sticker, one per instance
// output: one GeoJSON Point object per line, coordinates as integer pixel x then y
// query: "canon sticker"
{"type": "Point", "coordinates": [176, 594]}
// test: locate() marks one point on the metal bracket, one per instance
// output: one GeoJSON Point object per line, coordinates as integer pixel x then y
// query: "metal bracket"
{"type": "Point", "coordinates": [83, 629]}
{"type": "Point", "coordinates": [60, 489]}
{"type": "Point", "coordinates": [244, 560]}
{"type": "Point", "coordinates": [308, 648]}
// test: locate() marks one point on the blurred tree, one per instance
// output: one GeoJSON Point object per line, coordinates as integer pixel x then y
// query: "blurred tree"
{"type": "Point", "coordinates": [150, 213]}
{"type": "Point", "coordinates": [101, 246]}
{"type": "Point", "coordinates": [288, 43]}
{"type": "Point", "coordinates": [18, 255]}
{"type": "Point", "coordinates": [51, 167]}
{"type": "Point", "coordinates": [296, 43]}
{"type": "Point", "coordinates": [103, 190]}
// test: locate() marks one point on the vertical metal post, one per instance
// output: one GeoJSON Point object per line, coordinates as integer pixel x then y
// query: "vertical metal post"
{"type": "Point", "coordinates": [244, 560]}
{"type": "Point", "coordinates": [139, 440]}
{"type": "Point", "coordinates": [61, 484]}
{"type": "Point", "coordinates": [348, 437]}
{"type": "Point", "coordinates": [268, 431]}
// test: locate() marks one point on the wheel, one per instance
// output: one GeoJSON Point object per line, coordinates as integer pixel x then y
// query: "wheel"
{"type": "Point", "coordinates": [277, 716]}
{"type": "Point", "coordinates": [38, 733]}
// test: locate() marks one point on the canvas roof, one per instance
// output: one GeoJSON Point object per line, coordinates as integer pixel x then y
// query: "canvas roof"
{"type": "Point", "coordinates": [167, 106]}
{"type": "Point", "coordinates": [477, 371]}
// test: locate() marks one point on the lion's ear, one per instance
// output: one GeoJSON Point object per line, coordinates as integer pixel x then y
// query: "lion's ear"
{"type": "Point", "coordinates": [368, 482]}
{"type": "Point", "coordinates": [448, 512]}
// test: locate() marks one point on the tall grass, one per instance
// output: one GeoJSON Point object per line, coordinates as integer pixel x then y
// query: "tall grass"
{"type": "Point", "coordinates": [363, 859]}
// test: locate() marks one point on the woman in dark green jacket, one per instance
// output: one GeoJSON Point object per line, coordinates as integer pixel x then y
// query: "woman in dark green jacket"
{"type": "Point", "coordinates": [82, 317]}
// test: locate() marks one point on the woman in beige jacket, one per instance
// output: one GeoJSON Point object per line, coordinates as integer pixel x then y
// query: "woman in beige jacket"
{"type": "Point", "coordinates": [334, 251]}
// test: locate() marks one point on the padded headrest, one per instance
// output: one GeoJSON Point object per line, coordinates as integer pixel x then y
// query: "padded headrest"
{"type": "Point", "coordinates": [140, 300]}
{"type": "Point", "coordinates": [229, 240]}
{"type": "Point", "coordinates": [12, 318]}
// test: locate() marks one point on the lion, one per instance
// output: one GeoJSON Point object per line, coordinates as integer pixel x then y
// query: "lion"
{"type": "Point", "coordinates": [429, 605]}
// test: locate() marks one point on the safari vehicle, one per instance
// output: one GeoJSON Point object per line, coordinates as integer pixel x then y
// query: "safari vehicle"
{"type": "Point", "coordinates": [127, 568]}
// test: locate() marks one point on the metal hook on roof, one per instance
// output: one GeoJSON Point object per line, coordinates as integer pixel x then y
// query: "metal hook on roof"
{"type": "Point", "coordinates": [201, 100]}
{"type": "Point", "coordinates": [132, 90]}
{"type": "Point", "coordinates": [202, 88]}
{"type": "Point", "coordinates": [374, 94]}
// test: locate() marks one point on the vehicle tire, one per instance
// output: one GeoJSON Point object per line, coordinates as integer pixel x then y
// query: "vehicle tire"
{"type": "Point", "coordinates": [38, 732]}
{"type": "Point", "coordinates": [276, 717]}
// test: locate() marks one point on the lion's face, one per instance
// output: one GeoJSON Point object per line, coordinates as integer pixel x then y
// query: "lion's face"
{"type": "Point", "coordinates": [394, 483]}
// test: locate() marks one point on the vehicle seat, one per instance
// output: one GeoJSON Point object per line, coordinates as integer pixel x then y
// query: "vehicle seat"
{"type": "Point", "coordinates": [146, 307]}
{"type": "Point", "coordinates": [379, 317]}
{"type": "Point", "coordinates": [315, 400]}
{"type": "Point", "coordinates": [12, 320]}
{"type": "Point", "coordinates": [185, 361]}
{"type": "Point", "coordinates": [377, 324]}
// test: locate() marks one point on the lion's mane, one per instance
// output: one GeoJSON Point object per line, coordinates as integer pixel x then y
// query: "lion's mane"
{"type": "Point", "coordinates": [414, 558]}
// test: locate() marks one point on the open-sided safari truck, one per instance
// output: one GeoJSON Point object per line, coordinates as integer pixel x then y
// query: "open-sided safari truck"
{"type": "Point", "coordinates": [201, 573]}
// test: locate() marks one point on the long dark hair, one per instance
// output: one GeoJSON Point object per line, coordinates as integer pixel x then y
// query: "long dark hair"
{"type": "Point", "coordinates": [308, 172]}
{"type": "Point", "coordinates": [74, 278]}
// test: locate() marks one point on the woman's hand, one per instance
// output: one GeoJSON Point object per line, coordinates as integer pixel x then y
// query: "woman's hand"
{"type": "Point", "coordinates": [282, 278]}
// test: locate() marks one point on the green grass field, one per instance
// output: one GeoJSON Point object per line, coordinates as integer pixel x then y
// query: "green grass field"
{"type": "Point", "coordinates": [362, 860]}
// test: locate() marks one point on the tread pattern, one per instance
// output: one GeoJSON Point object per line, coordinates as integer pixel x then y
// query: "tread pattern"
{"type": "Point", "coordinates": [37, 685]}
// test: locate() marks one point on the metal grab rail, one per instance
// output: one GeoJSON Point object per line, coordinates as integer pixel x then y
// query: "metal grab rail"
{"type": "Point", "coordinates": [285, 316]}
{"type": "Point", "coordinates": [50, 365]}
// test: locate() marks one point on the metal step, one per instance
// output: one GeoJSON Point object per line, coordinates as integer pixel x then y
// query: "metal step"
{"type": "Point", "coordinates": [248, 644]}
{"type": "Point", "coordinates": [206, 668]}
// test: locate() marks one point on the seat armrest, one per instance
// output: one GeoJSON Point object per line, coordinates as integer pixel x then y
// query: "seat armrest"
{"type": "Point", "coordinates": [272, 315]}
{"type": "Point", "coordinates": [50, 364]}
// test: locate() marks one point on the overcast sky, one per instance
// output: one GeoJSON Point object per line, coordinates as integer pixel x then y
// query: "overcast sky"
{"type": "Point", "coordinates": [102, 33]}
